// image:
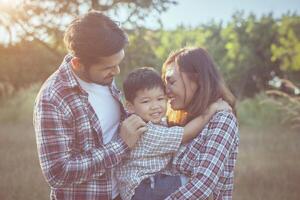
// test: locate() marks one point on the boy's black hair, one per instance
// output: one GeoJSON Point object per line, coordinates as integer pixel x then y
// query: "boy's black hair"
{"type": "Point", "coordinates": [141, 79]}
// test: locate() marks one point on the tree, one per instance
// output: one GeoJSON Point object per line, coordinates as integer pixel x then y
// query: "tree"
{"type": "Point", "coordinates": [247, 63]}
{"type": "Point", "coordinates": [139, 53]}
{"type": "Point", "coordinates": [26, 62]}
{"type": "Point", "coordinates": [287, 50]}
{"type": "Point", "coordinates": [45, 21]}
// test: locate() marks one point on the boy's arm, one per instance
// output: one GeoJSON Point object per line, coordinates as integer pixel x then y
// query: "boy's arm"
{"type": "Point", "coordinates": [192, 128]}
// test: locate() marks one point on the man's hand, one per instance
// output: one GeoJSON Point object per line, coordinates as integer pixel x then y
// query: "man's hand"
{"type": "Point", "coordinates": [131, 129]}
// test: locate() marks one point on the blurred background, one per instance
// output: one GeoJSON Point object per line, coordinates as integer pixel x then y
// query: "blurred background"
{"type": "Point", "coordinates": [256, 45]}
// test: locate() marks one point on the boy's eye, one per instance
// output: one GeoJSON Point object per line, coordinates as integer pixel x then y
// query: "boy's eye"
{"type": "Point", "coordinates": [144, 101]}
{"type": "Point", "coordinates": [161, 99]}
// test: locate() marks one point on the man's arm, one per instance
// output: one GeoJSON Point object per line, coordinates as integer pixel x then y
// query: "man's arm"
{"type": "Point", "coordinates": [194, 127]}
{"type": "Point", "coordinates": [61, 164]}
{"type": "Point", "coordinates": [208, 167]}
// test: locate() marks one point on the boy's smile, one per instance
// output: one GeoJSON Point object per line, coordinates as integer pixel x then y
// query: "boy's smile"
{"type": "Point", "coordinates": [149, 104]}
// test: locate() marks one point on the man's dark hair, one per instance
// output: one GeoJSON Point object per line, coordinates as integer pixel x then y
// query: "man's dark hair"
{"type": "Point", "coordinates": [141, 79]}
{"type": "Point", "coordinates": [92, 36]}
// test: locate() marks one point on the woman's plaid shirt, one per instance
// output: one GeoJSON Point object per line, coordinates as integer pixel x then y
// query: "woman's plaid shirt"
{"type": "Point", "coordinates": [73, 158]}
{"type": "Point", "coordinates": [209, 160]}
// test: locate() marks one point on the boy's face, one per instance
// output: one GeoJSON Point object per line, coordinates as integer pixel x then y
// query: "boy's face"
{"type": "Point", "coordinates": [149, 104]}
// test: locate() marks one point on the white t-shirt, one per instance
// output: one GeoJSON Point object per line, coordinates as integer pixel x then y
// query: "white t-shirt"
{"type": "Point", "coordinates": [107, 109]}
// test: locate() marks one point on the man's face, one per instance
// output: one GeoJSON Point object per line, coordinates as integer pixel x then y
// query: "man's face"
{"type": "Point", "coordinates": [104, 71]}
{"type": "Point", "coordinates": [150, 104]}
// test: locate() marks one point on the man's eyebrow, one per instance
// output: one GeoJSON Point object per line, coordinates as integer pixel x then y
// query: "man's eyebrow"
{"type": "Point", "coordinates": [110, 66]}
{"type": "Point", "coordinates": [143, 97]}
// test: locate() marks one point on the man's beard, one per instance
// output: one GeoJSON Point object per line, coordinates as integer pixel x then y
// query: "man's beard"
{"type": "Point", "coordinates": [104, 83]}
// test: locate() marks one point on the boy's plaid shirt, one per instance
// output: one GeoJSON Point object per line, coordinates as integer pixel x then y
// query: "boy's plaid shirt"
{"type": "Point", "coordinates": [152, 153]}
{"type": "Point", "coordinates": [73, 158]}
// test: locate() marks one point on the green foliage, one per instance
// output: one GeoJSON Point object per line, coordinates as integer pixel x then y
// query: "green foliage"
{"type": "Point", "coordinates": [25, 63]}
{"type": "Point", "coordinates": [287, 49]}
{"type": "Point", "coordinates": [29, 21]}
{"type": "Point", "coordinates": [19, 106]}
{"type": "Point", "coordinates": [267, 111]}
{"type": "Point", "coordinates": [247, 50]}
{"type": "Point", "coordinates": [139, 53]}
{"type": "Point", "coordinates": [286, 96]}
{"type": "Point", "coordinates": [247, 63]}
{"type": "Point", "coordinates": [241, 49]}
{"type": "Point", "coordinates": [169, 41]}
{"type": "Point", "coordinates": [258, 112]}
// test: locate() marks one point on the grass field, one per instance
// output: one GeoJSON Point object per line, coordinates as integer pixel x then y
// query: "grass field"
{"type": "Point", "coordinates": [268, 165]}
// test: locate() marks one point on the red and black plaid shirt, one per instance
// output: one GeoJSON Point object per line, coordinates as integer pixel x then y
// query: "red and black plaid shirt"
{"type": "Point", "coordinates": [73, 158]}
{"type": "Point", "coordinates": [209, 160]}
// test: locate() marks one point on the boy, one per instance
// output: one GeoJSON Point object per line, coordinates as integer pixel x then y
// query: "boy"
{"type": "Point", "coordinates": [145, 96]}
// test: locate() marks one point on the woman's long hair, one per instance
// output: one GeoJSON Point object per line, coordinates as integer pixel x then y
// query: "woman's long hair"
{"type": "Point", "coordinates": [199, 67]}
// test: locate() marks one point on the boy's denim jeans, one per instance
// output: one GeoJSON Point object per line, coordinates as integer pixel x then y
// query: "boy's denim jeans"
{"type": "Point", "coordinates": [157, 188]}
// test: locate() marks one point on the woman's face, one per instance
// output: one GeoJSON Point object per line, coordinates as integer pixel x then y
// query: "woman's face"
{"type": "Point", "coordinates": [180, 88]}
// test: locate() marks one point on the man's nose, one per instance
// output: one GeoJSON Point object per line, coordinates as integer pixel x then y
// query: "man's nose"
{"type": "Point", "coordinates": [116, 70]}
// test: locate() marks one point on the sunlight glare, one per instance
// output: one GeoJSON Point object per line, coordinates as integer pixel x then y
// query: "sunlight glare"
{"type": "Point", "coordinates": [9, 4]}
{"type": "Point", "coordinates": [8, 1]}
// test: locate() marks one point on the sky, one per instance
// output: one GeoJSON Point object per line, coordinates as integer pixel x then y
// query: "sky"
{"type": "Point", "coordinates": [195, 12]}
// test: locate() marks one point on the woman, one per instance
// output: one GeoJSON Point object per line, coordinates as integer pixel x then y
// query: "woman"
{"type": "Point", "coordinates": [192, 84]}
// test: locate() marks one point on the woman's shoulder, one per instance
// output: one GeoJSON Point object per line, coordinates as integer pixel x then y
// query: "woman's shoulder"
{"type": "Point", "coordinates": [223, 115]}
{"type": "Point", "coordinates": [224, 120]}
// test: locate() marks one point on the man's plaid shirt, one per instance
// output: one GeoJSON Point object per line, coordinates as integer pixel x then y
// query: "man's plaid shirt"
{"type": "Point", "coordinates": [73, 158]}
{"type": "Point", "coordinates": [152, 154]}
{"type": "Point", "coordinates": [209, 161]}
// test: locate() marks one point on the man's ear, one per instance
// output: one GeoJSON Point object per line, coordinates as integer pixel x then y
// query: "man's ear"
{"type": "Point", "coordinates": [129, 106]}
{"type": "Point", "coordinates": [76, 65]}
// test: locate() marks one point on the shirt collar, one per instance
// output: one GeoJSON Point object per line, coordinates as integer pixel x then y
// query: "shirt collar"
{"type": "Point", "coordinates": [67, 76]}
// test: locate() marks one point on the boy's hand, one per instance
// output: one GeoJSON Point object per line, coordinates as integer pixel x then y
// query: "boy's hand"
{"type": "Point", "coordinates": [219, 105]}
{"type": "Point", "coordinates": [131, 129]}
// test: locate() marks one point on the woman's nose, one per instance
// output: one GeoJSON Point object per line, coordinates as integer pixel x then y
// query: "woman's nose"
{"type": "Point", "coordinates": [168, 91]}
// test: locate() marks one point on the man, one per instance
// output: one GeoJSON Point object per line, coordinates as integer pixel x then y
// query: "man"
{"type": "Point", "coordinates": [77, 114]}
